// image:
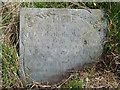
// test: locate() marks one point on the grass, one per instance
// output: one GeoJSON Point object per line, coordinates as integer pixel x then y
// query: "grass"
{"type": "Point", "coordinates": [10, 45]}
{"type": "Point", "coordinates": [74, 83]}
{"type": "Point", "coordinates": [10, 65]}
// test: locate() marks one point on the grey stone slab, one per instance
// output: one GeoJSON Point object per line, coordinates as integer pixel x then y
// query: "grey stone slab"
{"type": "Point", "coordinates": [53, 41]}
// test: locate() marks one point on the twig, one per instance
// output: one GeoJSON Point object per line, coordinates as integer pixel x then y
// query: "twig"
{"type": "Point", "coordinates": [18, 79]}
{"type": "Point", "coordinates": [115, 15]}
{"type": "Point", "coordinates": [42, 86]}
{"type": "Point", "coordinates": [82, 6]}
{"type": "Point", "coordinates": [37, 83]}
{"type": "Point", "coordinates": [11, 12]}
{"type": "Point", "coordinates": [45, 86]}
{"type": "Point", "coordinates": [70, 6]}
{"type": "Point", "coordinates": [65, 81]}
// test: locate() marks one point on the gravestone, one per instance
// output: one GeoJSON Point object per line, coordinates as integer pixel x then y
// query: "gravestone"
{"type": "Point", "coordinates": [53, 41]}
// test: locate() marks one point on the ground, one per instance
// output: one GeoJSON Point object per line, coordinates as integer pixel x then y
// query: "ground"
{"type": "Point", "coordinates": [104, 74]}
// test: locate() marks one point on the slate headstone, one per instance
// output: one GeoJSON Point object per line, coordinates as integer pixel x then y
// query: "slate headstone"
{"type": "Point", "coordinates": [53, 41]}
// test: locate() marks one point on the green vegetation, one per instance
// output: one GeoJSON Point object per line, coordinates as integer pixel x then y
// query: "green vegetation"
{"type": "Point", "coordinates": [10, 44]}
{"type": "Point", "coordinates": [9, 65]}
{"type": "Point", "coordinates": [75, 83]}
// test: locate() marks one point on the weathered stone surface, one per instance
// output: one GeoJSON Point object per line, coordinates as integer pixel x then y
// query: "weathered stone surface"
{"type": "Point", "coordinates": [53, 41]}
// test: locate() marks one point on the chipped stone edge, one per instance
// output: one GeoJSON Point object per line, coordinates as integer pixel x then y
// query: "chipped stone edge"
{"type": "Point", "coordinates": [21, 72]}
